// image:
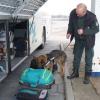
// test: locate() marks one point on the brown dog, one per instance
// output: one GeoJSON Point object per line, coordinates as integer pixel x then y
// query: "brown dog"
{"type": "Point", "coordinates": [59, 59]}
{"type": "Point", "coordinates": [55, 57]}
{"type": "Point", "coordinates": [41, 61]}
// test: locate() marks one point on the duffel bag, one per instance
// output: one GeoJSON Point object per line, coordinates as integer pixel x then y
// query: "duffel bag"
{"type": "Point", "coordinates": [28, 94]}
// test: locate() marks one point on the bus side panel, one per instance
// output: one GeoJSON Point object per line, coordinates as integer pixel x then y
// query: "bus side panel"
{"type": "Point", "coordinates": [34, 34]}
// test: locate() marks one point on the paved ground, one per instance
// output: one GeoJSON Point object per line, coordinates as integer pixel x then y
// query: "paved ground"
{"type": "Point", "coordinates": [76, 90]}
{"type": "Point", "coordinates": [10, 85]}
{"type": "Point", "coordinates": [96, 84]}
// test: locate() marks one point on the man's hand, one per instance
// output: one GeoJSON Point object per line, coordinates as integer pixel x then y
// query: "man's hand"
{"type": "Point", "coordinates": [80, 31]}
{"type": "Point", "coordinates": [68, 35]}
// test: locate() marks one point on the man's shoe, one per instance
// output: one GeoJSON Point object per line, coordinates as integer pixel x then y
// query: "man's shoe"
{"type": "Point", "coordinates": [73, 75]}
{"type": "Point", "coordinates": [86, 79]}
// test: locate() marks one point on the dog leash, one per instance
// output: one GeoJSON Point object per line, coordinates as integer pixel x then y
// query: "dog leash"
{"type": "Point", "coordinates": [71, 38]}
{"type": "Point", "coordinates": [67, 45]}
{"type": "Point", "coordinates": [46, 70]}
{"type": "Point", "coordinates": [51, 59]}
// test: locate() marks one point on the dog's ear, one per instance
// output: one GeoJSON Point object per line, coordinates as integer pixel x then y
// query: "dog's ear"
{"type": "Point", "coordinates": [33, 63]}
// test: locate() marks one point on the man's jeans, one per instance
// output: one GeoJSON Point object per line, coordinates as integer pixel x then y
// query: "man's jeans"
{"type": "Point", "coordinates": [78, 51]}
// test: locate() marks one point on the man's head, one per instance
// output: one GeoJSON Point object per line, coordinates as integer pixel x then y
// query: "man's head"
{"type": "Point", "coordinates": [81, 9]}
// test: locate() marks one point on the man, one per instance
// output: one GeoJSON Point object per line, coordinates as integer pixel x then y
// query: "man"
{"type": "Point", "coordinates": [83, 25]}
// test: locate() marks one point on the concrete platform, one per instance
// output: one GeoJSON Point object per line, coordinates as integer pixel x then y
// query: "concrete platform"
{"type": "Point", "coordinates": [75, 89]}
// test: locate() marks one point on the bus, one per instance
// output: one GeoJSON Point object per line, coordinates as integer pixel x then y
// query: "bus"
{"type": "Point", "coordinates": [21, 33]}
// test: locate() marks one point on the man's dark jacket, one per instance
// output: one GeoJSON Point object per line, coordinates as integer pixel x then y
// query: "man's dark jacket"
{"type": "Point", "coordinates": [91, 27]}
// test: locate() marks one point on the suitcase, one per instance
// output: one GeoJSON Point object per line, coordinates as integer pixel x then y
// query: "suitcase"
{"type": "Point", "coordinates": [29, 94]}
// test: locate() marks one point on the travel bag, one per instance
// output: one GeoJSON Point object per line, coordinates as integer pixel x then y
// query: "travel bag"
{"type": "Point", "coordinates": [37, 78]}
{"type": "Point", "coordinates": [29, 94]}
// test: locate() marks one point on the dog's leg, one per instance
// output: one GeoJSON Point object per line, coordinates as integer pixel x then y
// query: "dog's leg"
{"type": "Point", "coordinates": [62, 70]}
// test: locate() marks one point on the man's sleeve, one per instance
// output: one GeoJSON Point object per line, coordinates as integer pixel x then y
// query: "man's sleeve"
{"type": "Point", "coordinates": [93, 28]}
{"type": "Point", "coordinates": [70, 25]}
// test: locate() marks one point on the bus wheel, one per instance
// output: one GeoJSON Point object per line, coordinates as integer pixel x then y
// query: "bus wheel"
{"type": "Point", "coordinates": [43, 38]}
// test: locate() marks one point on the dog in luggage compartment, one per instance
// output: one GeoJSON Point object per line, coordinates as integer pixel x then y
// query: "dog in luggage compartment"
{"type": "Point", "coordinates": [55, 57]}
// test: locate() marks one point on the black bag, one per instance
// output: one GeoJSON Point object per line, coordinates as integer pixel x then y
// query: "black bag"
{"type": "Point", "coordinates": [29, 94]}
